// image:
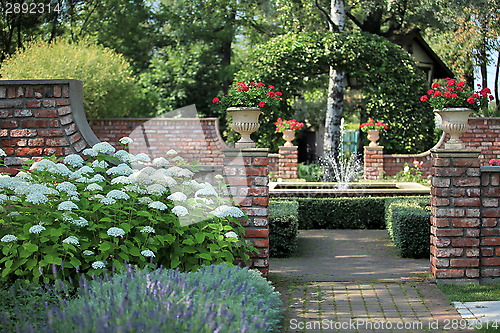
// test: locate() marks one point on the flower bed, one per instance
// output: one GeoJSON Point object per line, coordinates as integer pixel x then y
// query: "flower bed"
{"type": "Point", "coordinates": [90, 215]}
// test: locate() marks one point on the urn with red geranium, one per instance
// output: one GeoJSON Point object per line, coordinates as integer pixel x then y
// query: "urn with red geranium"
{"type": "Point", "coordinates": [245, 102]}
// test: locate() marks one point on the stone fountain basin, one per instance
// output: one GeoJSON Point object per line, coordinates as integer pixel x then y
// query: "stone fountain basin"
{"type": "Point", "coordinates": [320, 189]}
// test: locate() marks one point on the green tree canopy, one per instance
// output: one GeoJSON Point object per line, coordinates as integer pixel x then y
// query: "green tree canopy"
{"type": "Point", "coordinates": [391, 82]}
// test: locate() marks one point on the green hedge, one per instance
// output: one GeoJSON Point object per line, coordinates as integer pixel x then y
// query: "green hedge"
{"type": "Point", "coordinates": [283, 227]}
{"type": "Point", "coordinates": [341, 213]}
{"type": "Point", "coordinates": [408, 225]}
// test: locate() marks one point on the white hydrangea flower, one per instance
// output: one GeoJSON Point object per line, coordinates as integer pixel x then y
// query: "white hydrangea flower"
{"type": "Point", "coordinates": [8, 238]}
{"type": "Point", "coordinates": [67, 205]}
{"type": "Point", "coordinates": [160, 178]}
{"type": "Point", "coordinates": [173, 171]}
{"type": "Point", "coordinates": [93, 187]}
{"type": "Point", "coordinates": [84, 180]}
{"type": "Point", "coordinates": [156, 189]}
{"type": "Point", "coordinates": [62, 169]}
{"type": "Point", "coordinates": [177, 196]}
{"type": "Point", "coordinates": [43, 165]}
{"type": "Point", "coordinates": [124, 156]}
{"type": "Point", "coordinates": [148, 253]}
{"type": "Point", "coordinates": [3, 198]}
{"type": "Point", "coordinates": [2, 153]}
{"type": "Point", "coordinates": [24, 176]}
{"type": "Point", "coordinates": [135, 189]}
{"type": "Point", "coordinates": [36, 229]}
{"type": "Point", "coordinates": [207, 190]}
{"type": "Point", "coordinates": [194, 184]}
{"type": "Point", "coordinates": [97, 179]}
{"type": "Point", "coordinates": [185, 173]}
{"type": "Point", "coordinates": [74, 160]}
{"type": "Point", "coordinates": [219, 177]}
{"type": "Point", "coordinates": [157, 205]}
{"type": "Point", "coordinates": [100, 164]}
{"type": "Point", "coordinates": [141, 178]}
{"type": "Point", "coordinates": [160, 162]}
{"type": "Point", "coordinates": [81, 222]}
{"type": "Point", "coordinates": [121, 180]}
{"type": "Point", "coordinates": [14, 198]}
{"type": "Point", "coordinates": [104, 148]}
{"type": "Point", "coordinates": [68, 217]}
{"type": "Point", "coordinates": [148, 229]}
{"type": "Point", "coordinates": [87, 253]}
{"type": "Point", "coordinates": [98, 264]}
{"type": "Point", "coordinates": [126, 140]}
{"type": "Point", "coordinates": [148, 170]}
{"type": "Point", "coordinates": [203, 200]}
{"type": "Point", "coordinates": [180, 211]}
{"type": "Point", "coordinates": [225, 211]}
{"type": "Point", "coordinates": [89, 152]}
{"type": "Point", "coordinates": [37, 198]}
{"type": "Point", "coordinates": [107, 201]}
{"type": "Point", "coordinates": [14, 214]}
{"type": "Point", "coordinates": [141, 157]}
{"type": "Point", "coordinates": [71, 240]}
{"type": "Point", "coordinates": [116, 232]}
{"type": "Point", "coordinates": [66, 187]}
{"type": "Point", "coordinates": [97, 197]}
{"type": "Point", "coordinates": [121, 169]}
{"type": "Point", "coordinates": [145, 200]}
{"type": "Point", "coordinates": [177, 159]}
{"type": "Point", "coordinates": [231, 234]}
{"type": "Point", "coordinates": [171, 152]}
{"type": "Point", "coordinates": [117, 195]}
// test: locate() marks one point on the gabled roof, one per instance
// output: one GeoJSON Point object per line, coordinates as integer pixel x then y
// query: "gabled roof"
{"type": "Point", "coordinates": [441, 71]}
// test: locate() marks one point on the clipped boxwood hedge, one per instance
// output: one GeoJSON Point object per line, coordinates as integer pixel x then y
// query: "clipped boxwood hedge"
{"type": "Point", "coordinates": [341, 213]}
{"type": "Point", "coordinates": [283, 227]}
{"type": "Point", "coordinates": [408, 225]}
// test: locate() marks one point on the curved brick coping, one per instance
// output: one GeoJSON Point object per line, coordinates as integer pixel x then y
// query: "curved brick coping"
{"type": "Point", "coordinates": [41, 118]}
{"type": "Point", "coordinates": [424, 154]}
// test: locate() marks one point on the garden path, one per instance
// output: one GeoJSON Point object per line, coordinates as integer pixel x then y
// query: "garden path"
{"type": "Point", "coordinates": [354, 281]}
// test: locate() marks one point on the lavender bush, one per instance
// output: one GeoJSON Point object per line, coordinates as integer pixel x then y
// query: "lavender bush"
{"type": "Point", "coordinates": [214, 299]}
{"type": "Point", "coordinates": [88, 216]}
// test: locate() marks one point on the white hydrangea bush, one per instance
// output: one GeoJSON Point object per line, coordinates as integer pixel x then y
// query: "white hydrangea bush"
{"type": "Point", "coordinates": [96, 212]}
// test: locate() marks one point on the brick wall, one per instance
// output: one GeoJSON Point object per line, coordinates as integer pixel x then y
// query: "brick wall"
{"type": "Point", "coordinates": [41, 118]}
{"type": "Point", "coordinates": [288, 162]}
{"type": "Point", "coordinates": [373, 162]}
{"type": "Point", "coordinates": [465, 235]}
{"type": "Point", "coordinates": [195, 139]}
{"type": "Point", "coordinates": [483, 134]}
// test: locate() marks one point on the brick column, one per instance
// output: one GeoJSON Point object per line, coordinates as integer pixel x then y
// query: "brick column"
{"type": "Point", "coordinates": [288, 162]}
{"type": "Point", "coordinates": [373, 162]}
{"type": "Point", "coordinates": [490, 228]}
{"type": "Point", "coordinates": [455, 220]}
{"type": "Point", "coordinates": [246, 171]}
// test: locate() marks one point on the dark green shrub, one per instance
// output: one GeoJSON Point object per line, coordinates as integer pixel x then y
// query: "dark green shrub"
{"type": "Point", "coordinates": [310, 172]}
{"type": "Point", "coordinates": [408, 225]}
{"type": "Point", "coordinates": [423, 202]}
{"type": "Point", "coordinates": [341, 213]}
{"type": "Point", "coordinates": [283, 227]}
{"type": "Point", "coordinates": [213, 299]}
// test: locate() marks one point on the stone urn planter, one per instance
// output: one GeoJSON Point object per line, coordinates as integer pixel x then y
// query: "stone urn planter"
{"type": "Point", "coordinates": [245, 122]}
{"type": "Point", "coordinates": [373, 136]}
{"type": "Point", "coordinates": [454, 122]}
{"type": "Point", "coordinates": [289, 136]}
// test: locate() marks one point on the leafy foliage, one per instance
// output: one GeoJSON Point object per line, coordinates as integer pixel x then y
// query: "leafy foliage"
{"type": "Point", "coordinates": [109, 88]}
{"type": "Point", "coordinates": [87, 217]}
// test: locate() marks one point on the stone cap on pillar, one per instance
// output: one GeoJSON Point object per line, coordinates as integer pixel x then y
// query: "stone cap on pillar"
{"type": "Point", "coordinates": [474, 153]}
{"type": "Point", "coordinates": [374, 148]}
{"type": "Point", "coordinates": [288, 148]}
{"type": "Point", "coordinates": [246, 151]}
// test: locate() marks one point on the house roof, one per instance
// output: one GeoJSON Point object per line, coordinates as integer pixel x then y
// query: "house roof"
{"type": "Point", "coordinates": [441, 71]}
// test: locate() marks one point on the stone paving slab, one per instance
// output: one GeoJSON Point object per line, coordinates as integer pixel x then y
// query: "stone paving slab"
{"type": "Point", "coordinates": [354, 281]}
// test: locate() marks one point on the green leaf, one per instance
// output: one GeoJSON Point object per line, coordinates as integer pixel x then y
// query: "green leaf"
{"type": "Point", "coordinates": [105, 246]}
{"type": "Point", "coordinates": [144, 213]}
{"type": "Point", "coordinates": [200, 237]}
{"type": "Point", "coordinates": [75, 262]}
{"type": "Point", "coordinates": [206, 256]}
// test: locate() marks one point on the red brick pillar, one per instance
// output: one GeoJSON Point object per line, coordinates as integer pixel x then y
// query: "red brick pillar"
{"type": "Point", "coordinates": [490, 228]}
{"type": "Point", "coordinates": [288, 162]}
{"type": "Point", "coordinates": [456, 213]}
{"type": "Point", "coordinates": [246, 171]}
{"type": "Point", "coordinates": [374, 162]}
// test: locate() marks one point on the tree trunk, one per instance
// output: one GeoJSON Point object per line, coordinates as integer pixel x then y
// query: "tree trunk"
{"type": "Point", "coordinates": [335, 101]}
{"type": "Point", "coordinates": [496, 87]}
